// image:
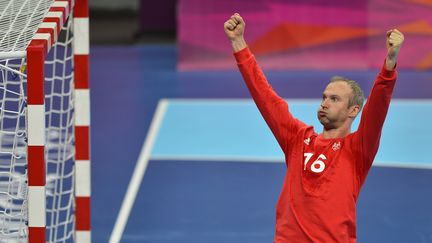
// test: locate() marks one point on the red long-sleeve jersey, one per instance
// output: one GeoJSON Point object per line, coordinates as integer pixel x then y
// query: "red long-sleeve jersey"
{"type": "Point", "coordinates": [324, 176]}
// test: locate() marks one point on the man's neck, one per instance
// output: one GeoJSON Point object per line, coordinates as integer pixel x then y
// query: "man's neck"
{"type": "Point", "coordinates": [337, 132]}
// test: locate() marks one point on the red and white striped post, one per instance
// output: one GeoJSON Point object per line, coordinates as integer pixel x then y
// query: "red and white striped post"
{"type": "Point", "coordinates": [82, 121]}
{"type": "Point", "coordinates": [36, 52]}
{"type": "Point", "coordinates": [39, 46]}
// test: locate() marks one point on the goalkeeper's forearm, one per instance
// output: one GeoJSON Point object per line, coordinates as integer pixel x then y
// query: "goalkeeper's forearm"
{"type": "Point", "coordinates": [238, 44]}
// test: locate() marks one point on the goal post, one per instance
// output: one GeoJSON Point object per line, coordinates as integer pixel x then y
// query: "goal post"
{"type": "Point", "coordinates": [44, 121]}
{"type": "Point", "coordinates": [82, 121]}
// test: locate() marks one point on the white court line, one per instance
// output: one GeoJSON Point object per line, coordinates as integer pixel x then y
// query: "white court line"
{"type": "Point", "coordinates": [393, 164]}
{"type": "Point", "coordinates": [188, 101]}
{"type": "Point", "coordinates": [218, 158]}
{"type": "Point", "coordinates": [222, 158]}
{"type": "Point", "coordinates": [138, 173]}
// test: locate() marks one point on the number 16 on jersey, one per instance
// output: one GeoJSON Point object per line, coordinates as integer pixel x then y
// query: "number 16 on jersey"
{"type": "Point", "coordinates": [318, 165]}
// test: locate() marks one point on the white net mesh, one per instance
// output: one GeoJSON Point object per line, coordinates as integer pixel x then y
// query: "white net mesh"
{"type": "Point", "coordinates": [60, 148]}
{"type": "Point", "coordinates": [13, 159]}
{"type": "Point", "coordinates": [19, 20]}
{"type": "Point", "coordinates": [59, 145]}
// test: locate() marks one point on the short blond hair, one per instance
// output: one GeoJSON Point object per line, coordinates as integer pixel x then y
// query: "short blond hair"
{"type": "Point", "coordinates": [358, 96]}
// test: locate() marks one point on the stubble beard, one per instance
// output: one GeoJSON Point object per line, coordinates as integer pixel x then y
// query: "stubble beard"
{"type": "Point", "coordinates": [327, 122]}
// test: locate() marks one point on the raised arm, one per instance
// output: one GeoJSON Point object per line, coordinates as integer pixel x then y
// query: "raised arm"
{"type": "Point", "coordinates": [375, 110]}
{"type": "Point", "coordinates": [272, 107]}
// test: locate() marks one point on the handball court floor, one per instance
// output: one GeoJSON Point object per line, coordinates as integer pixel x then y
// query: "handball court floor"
{"type": "Point", "coordinates": [212, 171]}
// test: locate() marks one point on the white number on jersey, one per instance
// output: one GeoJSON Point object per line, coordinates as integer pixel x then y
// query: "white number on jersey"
{"type": "Point", "coordinates": [318, 165]}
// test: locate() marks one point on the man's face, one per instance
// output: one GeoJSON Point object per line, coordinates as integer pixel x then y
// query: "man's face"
{"type": "Point", "coordinates": [334, 110]}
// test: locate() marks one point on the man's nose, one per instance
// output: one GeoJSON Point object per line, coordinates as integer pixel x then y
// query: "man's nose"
{"type": "Point", "coordinates": [324, 104]}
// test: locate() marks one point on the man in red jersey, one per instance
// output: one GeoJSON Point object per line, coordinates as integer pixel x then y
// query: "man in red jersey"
{"type": "Point", "coordinates": [325, 171]}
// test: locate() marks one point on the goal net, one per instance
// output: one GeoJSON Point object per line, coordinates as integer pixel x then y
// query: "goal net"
{"type": "Point", "coordinates": [35, 207]}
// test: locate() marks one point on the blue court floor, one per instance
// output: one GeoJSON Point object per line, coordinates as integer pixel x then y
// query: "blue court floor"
{"type": "Point", "coordinates": [212, 172]}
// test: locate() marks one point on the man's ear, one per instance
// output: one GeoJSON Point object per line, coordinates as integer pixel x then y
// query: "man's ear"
{"type": "Point", "coordinates": [353, 111]}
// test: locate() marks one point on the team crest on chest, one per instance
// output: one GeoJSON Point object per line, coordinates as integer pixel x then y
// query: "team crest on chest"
{"type": "Point", "coordinates": [307, 141]}
{"type": "Point", "coordinates": [336, 146]}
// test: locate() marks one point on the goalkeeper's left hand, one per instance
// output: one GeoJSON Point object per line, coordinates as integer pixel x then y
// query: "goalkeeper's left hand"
{"type": "Point", "coordinates": [395, 38]}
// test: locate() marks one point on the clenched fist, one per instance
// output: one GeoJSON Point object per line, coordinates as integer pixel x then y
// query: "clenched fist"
{"type": "Point", "coordinates": [234, 29]}
{"type": "Point", "coordinates": [394, 42]}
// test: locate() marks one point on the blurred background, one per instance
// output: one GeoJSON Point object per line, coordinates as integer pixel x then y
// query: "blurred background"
{"type": "Point", "coordinates": [132, 21]}
{"type": "Point", "coordinates": [166, 94]}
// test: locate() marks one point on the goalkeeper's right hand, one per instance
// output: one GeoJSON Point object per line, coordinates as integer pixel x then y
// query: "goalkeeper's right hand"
{"type": "Point", "coordinates": [234, 29]}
